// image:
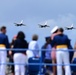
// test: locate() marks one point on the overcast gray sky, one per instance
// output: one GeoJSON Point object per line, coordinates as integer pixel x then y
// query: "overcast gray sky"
{"type": "Point", "coordinates": [32, 12]}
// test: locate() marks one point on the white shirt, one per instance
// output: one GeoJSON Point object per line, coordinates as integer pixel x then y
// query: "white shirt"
{"type": "Point", "coordinates": [34, 47]}
{"type": "Point", "coordinates": [29, 54]}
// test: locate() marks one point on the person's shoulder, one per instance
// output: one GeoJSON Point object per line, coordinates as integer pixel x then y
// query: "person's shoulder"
{"type": "Point", "coordinates": [3, 35]}
{"type": "Point", "coordinates": [17, 40]}
{"type": "Point", "coordinates": [56, 36]}
{"type": "Point", "coordinates": [65, 35]}
{"type": "Point", "coordinates": [25, 41]}
{"type": "Point", "coordinates": [33, 42]}
{"type": "Point", "coordinates": [43, 46]}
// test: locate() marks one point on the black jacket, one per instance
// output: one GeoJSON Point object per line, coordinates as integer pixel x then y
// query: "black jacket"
{"type": "Point", "coordinates": [20, 46]}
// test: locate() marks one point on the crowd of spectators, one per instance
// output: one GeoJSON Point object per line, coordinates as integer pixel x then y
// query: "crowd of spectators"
{"type": "Point", "coordinates": [29, 59]}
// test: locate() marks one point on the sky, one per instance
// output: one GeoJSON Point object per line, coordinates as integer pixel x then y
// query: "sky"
{"type": "Point", "coordinates": [33, 12]}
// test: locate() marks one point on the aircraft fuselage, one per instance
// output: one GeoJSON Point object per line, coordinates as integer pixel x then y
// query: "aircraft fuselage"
{"type": "Point", "coordinates": [44, 26]}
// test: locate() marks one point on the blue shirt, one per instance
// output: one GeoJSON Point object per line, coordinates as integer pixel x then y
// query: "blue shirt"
{"type": "Point", "coordinates": [48, 52]}
{"type": "Point", "coordinates": [61, 39]}
{"type": "Point", "coordinates": [4, 40]}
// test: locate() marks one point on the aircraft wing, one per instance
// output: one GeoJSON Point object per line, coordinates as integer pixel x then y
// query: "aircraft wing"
{"type": "Point", "coordinates": [39, 24]}
{"type": "Point", "coordinates": [48, 26]}
{"type": "Point", "coordinates": [15, 23]}
{"type": "Point", "coordinates": [67, 27]}
{"type": "Point", "coordinates": [24, 24]}
{"type": "Point", "coordinates": [74, 28]}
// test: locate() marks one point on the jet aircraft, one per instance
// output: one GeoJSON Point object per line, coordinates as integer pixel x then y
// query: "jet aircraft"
{"type": "Point", "coordinates": [70, 27]}
{"type": "Point", "coordinates": [43, 25]}
{"type": "Point", "coordinates": [20, 24]}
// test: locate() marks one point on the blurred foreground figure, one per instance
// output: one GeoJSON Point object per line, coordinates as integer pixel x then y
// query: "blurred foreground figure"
{"type": "Point", "coordinates": [33, 55]}
{"type": "Point", "coordinates": [10, 55]}
{"type": "Point", "coordinates": [34, 46]}
{"type": "Point", "coordinates": [46, 55]}
{"type": "Point", "coordinates": [20, 57]}
{"type": "Point", "coordinates": [3, 45]}
{"type": "Point", "coordinates": [62, 55]}
{"type": "Point", "coordinates": [53, 52]}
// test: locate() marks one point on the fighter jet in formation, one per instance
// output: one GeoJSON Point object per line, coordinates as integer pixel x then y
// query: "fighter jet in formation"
{"type": "Point", "coordinates": [20, 24]}
{"type": "Point", "coordinates": [70, 27]}
{"type": "Point", "coordinates": [43, 25]}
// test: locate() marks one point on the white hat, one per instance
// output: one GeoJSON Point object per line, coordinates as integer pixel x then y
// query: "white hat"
{"type": "Point", "coordinates": [54, 29]}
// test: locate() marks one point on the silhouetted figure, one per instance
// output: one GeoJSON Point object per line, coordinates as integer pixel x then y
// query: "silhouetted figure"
{"type": "Point", "coordinates": [19, 55]}
{"type": "Point", "coordinates": [4, 44]}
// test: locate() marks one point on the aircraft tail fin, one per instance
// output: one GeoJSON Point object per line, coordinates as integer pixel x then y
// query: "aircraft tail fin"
{"type": "Point", "coordinates": [46, 23]}
{"type": "Point", "coordinates": [21, 21]}
{"type": "Point", "coordinates": [72, 25]}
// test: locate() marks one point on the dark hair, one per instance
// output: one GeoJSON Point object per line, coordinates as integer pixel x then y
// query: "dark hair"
{"type": "Point", "coordinates": [2, 28]}
{"type": "Point", "coordinates": [61, 29]}
{"type": "Point", "coordinates": [46, 38]}
{"type": "Point", "coordinates": [20, 35]}
{"type": "Point", "coordinates": [35, 37]}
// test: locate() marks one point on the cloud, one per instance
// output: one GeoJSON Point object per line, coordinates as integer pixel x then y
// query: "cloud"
{"type": "Point", "coordinates": [62, 20]}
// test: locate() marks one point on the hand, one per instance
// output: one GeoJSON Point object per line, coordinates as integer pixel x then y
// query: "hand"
{"type": "Point", "coordinates": [37, 56]}
{"type": "Point", "coordinates": [10, 52]}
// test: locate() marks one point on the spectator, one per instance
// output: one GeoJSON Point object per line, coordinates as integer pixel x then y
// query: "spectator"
{"type": "Point", "coordinates": [33, 56]}
{"type": "Point", "coordinates": [71, 53]}
{"type": "Point", "coordinates": [74, 56]}
{"type": "Point", "coordinates": [19, 55]}
{"type": "Point", "coordinates": [33, 45]}
{"type": "Point", "coordinates": [62, 42]}
{"type": "Point", "coordinates": [73, 68]}
{"type": "Point", "coordinates": [4, 43]}
{"type": "Point", "coordinates": [53, 52]}
{"type": "Point", "coordinates": [11, 54]}
{"type": "Point", "coordinates": [46, 53]}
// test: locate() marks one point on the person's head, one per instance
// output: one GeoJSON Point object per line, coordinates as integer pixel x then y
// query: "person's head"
{"type": "Point", "coordinates": [35, 37]}
{"type": "Point", "coordinates": [20, 35]}
{"type": "Point", "coordinates": [60, 31]}
{"type": "Point", "coordinates": [54, 30]}
{"type": "Point", "coordinates": [3, 29]}
{"type": "Point", "coordinates": [48, 39]}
